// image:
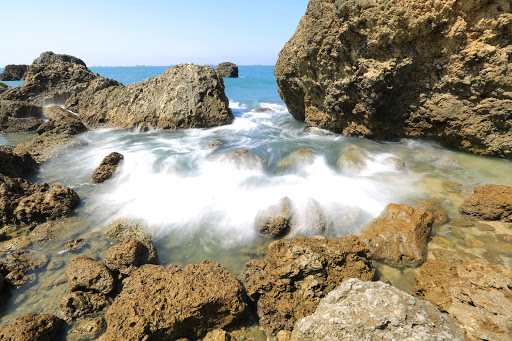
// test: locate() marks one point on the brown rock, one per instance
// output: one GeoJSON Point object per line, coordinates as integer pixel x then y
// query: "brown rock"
{"type": "Point", "coordinates": [19, 109]}
{"type": "Point", "coordinates": [275, 220]}
{"type": "Point", "coordinates": [353, 159]}
{"type": "Point", "coordinates": [476, 293]}
{"type": "Point", "coordinates": [128, 256]}
{"type": "Point", "coordinates": [16, 243]}
{"type": "Point", "coordinates": [107, 167]}
{"type": "Point", "coordinates": [168, 303]}
{"type": "Point", "coordinates": [80, 303]}
{"type": "Point", "coordinates": [61, 121]}
{"type": "Point", "coordinates": [20, 262]}
{"type": "Point", "coordinates": [32, 327]}
{"type": "Point", "coordinates": [14, 72]}
{"type": "Point", "coordinates": [491, 202]}
{"type": "Point", "coordinates": [227, 69]}
{"type": "Point", "coordinates": [311, 220]}
{"type": "Point", "coordinates": [48, 145]}
{"type": "Point", "coordinates": [399, 235]}
{"type": "Point", "coordinates": [85, 274]}
{"type": "Point", "coordinates": [16, 165]}
{"type": "Point", "coordinates": [21, 125]}
{"type": "Point", "coordinates": [450, 256]}
{"type": "Point", "coordinates": [51, 230]}
{"type": "Point", "coordinates": [88, 329]}
{"type": "Point", "coordinates": [438, 212]}
{"type": "Point", "coordinates": [49, 57]}
{"type": "Point", "coordinates": [288, 284]}
{"type": "Point", "coordinates": [121, 229]}
{"type": "Point", "coordinates": [296, 158]}
{"type": "Point", "coordinates": [74, 244]}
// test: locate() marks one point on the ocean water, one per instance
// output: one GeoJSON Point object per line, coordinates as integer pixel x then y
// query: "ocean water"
{"type": "Point", "coordinates": [197, 206]}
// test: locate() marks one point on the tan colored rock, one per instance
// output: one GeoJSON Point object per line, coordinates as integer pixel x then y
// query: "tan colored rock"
{"type": "Point", "coordinates": [107, 167]}
{"type": "Point", "coordinates": [243, 159]}
{"type": "Point", "coordinates": [128, 256]}
{"type": "Point", "coordinates": [311, 220]}
{"type": "Point", "coordinates": [438, 212]}
{"type": "Point", "coordinates": [48, 145]}
{"type": "Point", "coordinates": [85, 274]}
{"type": "Point", "coordinates": [353, 159]}
{"type": "Point", "coordinates": [491, 202]}
{"type": "Point", "coordinates": [80, 303]}
{"type": "Point", "coordinates": [87, 330]}
{"type": "Point", "coordinates": [20, 262]}
{"type": "Point", "coordinates": [51, 230]}
{"type": "Point", "coordinates": [275, 220]}
{"type": "Point", "coordinates": [399, 235]}
{"type": "Point", "coordinates": [121, 229]}
{"type": "Point", "coordinates": [74, 244]}
{"type": "Point", "coordinates": [32, 327]}
{"type": "Point", "coordinates": [302, 156]}
{"type": "Point", "coordinates": [16, 165]}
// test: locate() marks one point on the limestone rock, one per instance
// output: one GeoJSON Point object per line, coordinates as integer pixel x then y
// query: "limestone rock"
{"type": "Point", "coordinates": [227, 69]}
{"type": "Point", "coordinates": [128, 256]}
{"type": "Point", "coordinates": [107, 167]}
{"type": "Point", "coordinates": [275, 220]}
{"type": "Point", "coordinates": [18, 263]}
{"type": "Point", "coordinates": [168, 303]}
{"type": "Point", "coordinates": [289, 283]}
{"type": "Point", "coordinates": [491, 202]}
{"type": "Point", "coordinates": [121, 229]}
{"type": "Point", "coordinates": [32, 327]}
{"type": "Point", "coordinates": [243, 159]}
{"type": "Point", "coordinates": [85, 274]}
{"type": "Point", "coordinates": [49, 57]}
{"type": "Point", "coordinates": [402, 68]}
{"type": "Point", "coordinates": [16, 165]}
{"type": "Point", "coordinates": [476, 293]}
{"type": "Point", "coordinates": [296, 158]}
{"type": "Point", "coordinates": [88, 330]}
{"type": "Point", "coordinates": [359, 310]}
{"type": "Point", "coordinates": [80, 303]}
{"type": "Point", "coordinates": [399, 235]}
{"type": "Point", "coordinates": [51, 230]}
{"type": "Point", "coordinates": [61, 121]}
{"type": "Point", "coordinates": [184, 96]}
{"type": "Point", "coordinates": [438, 212]}
{"type": "Point", "coordinates": [13, 72]}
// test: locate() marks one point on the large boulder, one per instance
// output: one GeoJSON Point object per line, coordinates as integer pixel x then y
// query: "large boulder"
{"type": "Point", "coordinates": [126, 257]}
{"type": "Point", "coordinates": [227, 69]}
{"type": "Point", "coordinates": [13, 72]}
{"type": "Point", "coordinates": [491, 202]}
{"type": "Point", "coordinates": [169, 303]}
{"type": "Point", "coordinates": [16, 165]}
{"type": "Point", "coordinates": [49, 57]}
{"type": "Point", "coordinates": [107, 167]}
{"type": "Point", "coordinates": [32, 327]}
{"type": "Point", "coordinates": [290, 282]}
{"type": "Point", "coordinates": [184, 96]}
{"type": "Point", "coordinates": [400, 68]}
{"type": "Point", "coordinates": [476, 293]}
{"type": "Point", "coordinates": [359, 310]}
{"type": "Point", "coordinates": [85, 274]}
{"type": "Point", "coordinates": [399, 235]}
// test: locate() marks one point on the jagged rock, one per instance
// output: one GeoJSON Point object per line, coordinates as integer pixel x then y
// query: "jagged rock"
{"type": "Point", "coordinates": [476, 293]}
{"type": "Point", "coordinates": [217, 335]}
{"type": "Point", "coordinates": [49, 57]}
{"type": "Point", "coordinates": [74, 244]}
{"type": "Point", "coordinates": [298, 157]}
{"type": "Point", "coordinates": [399, 235]}
{"type": "Point", "coordinates": [438, 212]}
{"type": "Point", "coordinates": [227, 69]}
{"type": "Point", "coordinates": [13, 72]}
{"type": "Point", "coordinates": [128, 256]}
{"type": "Point", "coordinates": [168, 303]}
{"type": "Point", "coordinates": [21, 125]}
{"type": "Point", "coordinates": [289, 283]}
{"type": "Point", "coordinates": [80, 303]}
{"type": "Point", "coordinates": [275, 220]}
{"type": "Point", "coordinates": [3, 88]}
{"type": "Point", "coordinates": [85, 274]}
{"type": "Point", "coordinates": [121, 229]}
{"type": "Point", "coordinates": [401, 68]}
{"type": "Point", "coordinates": [18, 263]}
{"type": "Point", "coordinates": [16, 165]}
{"type": "Point", "coordinates": [359, 310]}
{"type": "Point", "coordinates": [61, 121]}
{"type": "Point", "coordinates": [48, 145]}
{"type": "Point", "coordinates": [32, 327]}
{"type": "Point", "coordinates": [184, 96]}
{"type": "Point", "coordinates": [16, 243]}
{"type": "Point", "coordinates": [491, 202]}
{"type": "Point", "coordinates": [107, 167]}
{"type": "Point", "coordinates": [243, 159]}
{"type": "Point", "coordinates": [19, 109]}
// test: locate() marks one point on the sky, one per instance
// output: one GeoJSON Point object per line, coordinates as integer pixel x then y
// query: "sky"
{"type": "Point", "coordinates": [150, 32]}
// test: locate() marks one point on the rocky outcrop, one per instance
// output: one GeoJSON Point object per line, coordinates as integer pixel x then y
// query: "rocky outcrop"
{"type": "Point", "coordinates": [275, 220]}
{"type": "Point", "coordinates": [184, 96]}
{"type": "Point", "coordinates": [18, 263]}
{"type": "Point", "coordinates": [399, 235]}
{"type": "Point", "coordinates": [49, 57]}
{"type": "Point", "coordinates": [169, 303]}
{"type": "Point", "coordinates": [289, 283]}
{"type": "Point", "coordinates": [32, 327]}
{"type": "Point", "coordinates": [19, 116]}
{"type": "Point", "coordinates": [21, 125]}
{"type": "Point", "coordinates": [476, 293]}
{"type": "Point", "coordinates": [107, 167]}
{"type": "Point", "coordinates": [359, 310]}
{"type": "Point", "coordinates": [16, 165]}
{"type": "Point", "coordinates": [85, 274]}
{"type": "Point", "coordinates": [3, 88]}
{"type": "Point", "coordinates": [61, 121]}
{"type": "Point", "coordinates": [227, 69]}
{"type": "Point", "coordinates": [13, 72]}
{"type": "Point", "coordinates": [124, 258]}
{"type": "Point", "coordinates": [401, 68]}
{"type": "Point", "coordinates": [88, 330]}
{"type": "Point", "coordinates": [491, 202]}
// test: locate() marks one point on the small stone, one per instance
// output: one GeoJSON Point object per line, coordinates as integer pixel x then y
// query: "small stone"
{"type": "Point", "coordinates": [121, 229]}
{"type": "Point", "coordinates": [438, 212]}
{"type": "Point", "coordinates": [443, 242]}
{"type": "Point", "coordinates": [74, 244]}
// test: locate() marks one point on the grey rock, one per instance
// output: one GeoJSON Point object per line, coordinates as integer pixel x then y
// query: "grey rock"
{"type": "Point", "coordinates": [49, 57]}
{"type": "Point", "coordinates": [227, 69]}
{"type": "Point", "coordinates": [16, 165]}
{"type": "Point", "coordinates": [13, 72]}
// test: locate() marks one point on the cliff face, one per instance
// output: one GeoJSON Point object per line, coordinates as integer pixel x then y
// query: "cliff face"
{"type": "Point", "coordinates": [438, 69]}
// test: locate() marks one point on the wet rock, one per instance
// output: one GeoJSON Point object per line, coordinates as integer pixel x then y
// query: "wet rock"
{"type": "Point", "coordinates": [74, 244]}
{"type": "Point", "coordinates": [462, 222]}
{"type": "Point", "coordinates": [492, 258]}
{"type": "Point", "coordinates": [243, 159]}
{"type": "Point", "coordinates": [448, 163]}
{"type": "Point", "coordinates": [491, 202]}
{"type": "Point", "coordinates": [386, 69]}
{"type": "Point", "coordinates": [51, 230]}
{"type": "Point", "coordinates": [14, 72]}
{"type": "Point", "coordinates": [3, 88]}
{"type": "Point", "coordinates": [476, 293]}
{"type": "Point", "coordinates": [399, 235]}
{"type": "Point", "coordinates": [450, 256]}
{"type": "Point", "coordinates": [214, 144]}
{"type": "Point", "coordinates": [227, 69]}
{"type": "Point", "coordinates": [217, 335]}
{"type": "Point", "coordinates": [185, 96]}
{"type": "Point", "coordinates": [16, 243]}
{"type": "Point", "coordinates": [48, 145]}
{"type": "Point", "coordinates": [174, 302]}
{"type": "Point", "coordinates": [10, 111]}
{"type": "Point", "coordinates": [507, 238]}
{"type": "Point", "coordinates": [88, 330]}
{"type": "Point", "coordinates": [396, 163]}
{"type": "Point", "coordinates": [349, 313]}
{"type": "Point", "coordinates": [32, 327]}
{"type": "Point", "coordinates": [80, 303]}
{"type": "Point", "coordinates": [438, 212]}
{"type": "Point", "coordinates": [49, 57]}
{"type": "Point", "coordinates": [289, 283]}
{"type": "Point", "coordinates": [85, 274]}
{"type": "Point", "coordinates": [107, 167]}
{"type": "Point", "coordinates": [454, 187]}
{"type": "Point", "coordinates": [302, 156]}
{"type": "Point", "coordinates": [128, 256]}
{"type": "Point", "coordinates": [18, 263]}
{"type": "Point", "coordinates": [311, 220]}
{"type": "Point", "coordinates": [275, 220]}
{"type": "Point", "coordinates": [353, 159]}
{"type": "Point", "coordinates": [121, 229]}
{"type": "Point", "coordinates": [16, 165]}
{"type": "Point", "coordinates": [21, 125]}
{"type": "Point", "coordinates": [263, 109]}
{"type": "Point", "coordinates": [61, 121]}
{"type": "Point", "coordinates": [443, 242]}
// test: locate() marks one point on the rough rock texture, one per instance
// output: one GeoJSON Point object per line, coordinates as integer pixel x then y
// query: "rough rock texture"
{"type": "Point", "coordinates": [126, 257]}
{"type": "Point", "coordinates": [353, 159]}
{"type": "Point", "coordinates": [61, 121]}
{"type": "Point", "coordinates": [21, 125]}
{"type": "Point", "coordinates": [438, 212]}
{"type": "Point", "coordinates": [51, 230]}
{"type": "Point", "coordinates": [13, 72]}
{"type": "Point", "coordinates": [121, 229]}
{"type": "Point", "coordinates": [3, 88]}
{"type": "Point", "coordinates": [74, 244]}
{"type": "Point", "coordinates": [32, 327]}
{"type": "Point", "coordinates": [16, 165]}
{"type": "Point", "coordinates": [298, 157]}
{"type": "Point", "coordinates": [227, 69]}
{"type": "Point", "coordinates": [168, 303]}
{"type": "Point", "coordinates": [399, 235]}
{"type": "Point", "coordinates": [359, 310]}
{"type": "Point", "coordinates": [88, 330]}
{"type": "Point", "coordinates": [85, 274]}
{"type": "Point", "coordinates": [18, 263]}
{"type": "Point", "coordinates": [184, 96]}
{"type": "Point", "coordinates": [438, 69]}
{"type": "Point", "coordinates": [476, 293]}
{"type": "Point", "coordinates": [289, 283]}
{"type": "Point", "coordinates": [310, 220]}
{"type": "Point", "coordinates": [80, 303]}
{"type": "Point", "coordinates": [243, 159]}
{"type": "Point", "coordinates": [491, 202]}
{"type": "Point", "coordinates": [49, 57]}
{"type": "Point", "coordinates": [275, 220]}
{"type": "Point", "coordinates": [19, 116]}
{"type": "Point", "coordinates": [107, 167]}
{"type": "Point", "coordinates": [48, 145]}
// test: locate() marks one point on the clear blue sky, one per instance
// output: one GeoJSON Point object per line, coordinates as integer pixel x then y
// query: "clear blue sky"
{"type": "Point", "coordinates": [151, 32]}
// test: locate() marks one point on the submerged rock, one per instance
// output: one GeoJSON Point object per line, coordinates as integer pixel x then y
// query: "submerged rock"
{"type": "Point", "coordinates": [74, 244]}
{"type": "Point", "coordinates": [173, 302]}
{"type": "Point", "coordinates": [121, 229]}
{"type": "Point", "coordinates": [438, 212]}
{"type": "Point", "coordinates": [310, 220]}
{"type": "Point", "coordinates": [88, 330]}
{"type": "Point", "coordinates": [85, 274]}
{"type": "Point", "coordinates": [397, 68]}
{"type": "Point", "coordinates": [275, 220]}
{"type": "Point", "coordinates": [32, 327]}
{"type": "Point", "coordinates": [298, 157]}
{"type": "Point", "coordinates": [399, 235]}
{"type": "Point", "coordinates": [128, 256]}
{"type": "Point", "coordinates": [15, 266]}
{"type": "Point", "coordinates": [14, 72]}
{"type": "Point", "coordinates": [16, 165]}
{"type": "Point", "coordinates": [243, 159]}
{"type": "Point", "coordinates": [227, 69]}
{"type": "Point", "coordinates": [359, 310]}
{"type": "Point", "coordinates": [51, 230]}
{"type": "Point", "coordinates": [107, 167]}
{"type": "Point", "coordinates": [49, 57]}
{"type": "Point", "coordinates": [353, 159]}
{"type": "Point", "coordinates": [80, 303]}
{"type": "Point", "coordinates": [289, 283]}
{"type": "Point", "coordinates": [491, 202]}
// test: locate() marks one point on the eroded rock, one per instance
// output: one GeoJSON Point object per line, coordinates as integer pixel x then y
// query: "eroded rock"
{"type": "Point", "coordinates": [275, 220]}
{"type": "Point", "coordinates": [243, 159]}
{"type": "Point", "coordinates": [14, 72]}
{"type": "Point", "coordinates": [107, 167]}
{"type": "Point", "coordinates": [128, 256]}
{"type": "Point", "coordinates": [85, 274]}
{"type": "Point", "coordinates": [16, 165]}
{"type": "Point", "coordinates": [227, 69]}
{"type": "Point", "coordinates": [15, 266]}
{"type": "Point", "coordinates": [121, 229]}
{"type": "Point", "coordinates": [491, 202]}
{"type": "Point", "coordinates": [80, 303]}
{"type": "Point", "coordinates": [49, 57]}
{"type": "Point", "coordinates": [32, 327]}
{"type": "Point", "coordinates": [438, 212]}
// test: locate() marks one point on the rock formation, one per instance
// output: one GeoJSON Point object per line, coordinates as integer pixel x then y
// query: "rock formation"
{"type": "Point", "coordinates": [16, 266]}
{"type": "Point", "coordinates": [227, 69]}
{"type": "Point", "coordinates": [32, 327]}
{"type": "Point", "coordinates": [184, 96]}
{"type": "Point", "coordinates": [491, 202]}
{"type": "Point", "coordinates": [401, 68]}
{"type": "Point", "coordinates": [85, 274]}
{"type": "Point", "coordinates": [107, 167]}
{"type": "Point", "coordinates": [124, 258]}
{"type": "Point", "coordinates": [19, 116]}
{"type": "Point", "coordinates": [274, 221]}
{"type": "Point", "coordinates": [14, 72]}
{"type": "Point", "coordinates": [359, 310]}
{"type": "Point", "coordinates": [49, 57]}
{"type": "Point", "coordinates": [80, 303]}
{"type": "Point", "coordinates": [243, 159]}
{"type": "Point", "coordinates": [16, 165]}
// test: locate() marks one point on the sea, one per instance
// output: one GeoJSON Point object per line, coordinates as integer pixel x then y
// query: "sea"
{"type": "Point", "coordinates": [196, 206]}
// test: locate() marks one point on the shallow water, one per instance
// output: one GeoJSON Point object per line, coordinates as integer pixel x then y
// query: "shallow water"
{"type": "Point", "coordinates": [198, 207]}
